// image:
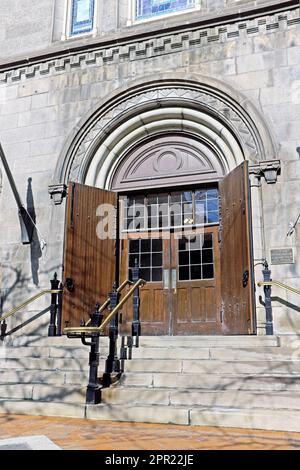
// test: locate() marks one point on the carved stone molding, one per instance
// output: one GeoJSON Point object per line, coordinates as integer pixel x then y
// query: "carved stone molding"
{"type": "Point", "coordinates": [57, 192]}
{"type": "Point", "coordinates": [267, 169]}
{"type": "Point", "coordinates": [167, 160]}
{"type": "Point", "coordinates": [154, 46]}
{"type": "Point", "coordinates": [223, 109]}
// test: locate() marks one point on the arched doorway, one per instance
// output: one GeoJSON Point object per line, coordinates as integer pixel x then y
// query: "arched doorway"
{"type": "Point", "coordinates": [170, 229]}
{"type": "Point", "coordinates": [168, 188]}
{"type": "Point", "coordinates": [180, 140]}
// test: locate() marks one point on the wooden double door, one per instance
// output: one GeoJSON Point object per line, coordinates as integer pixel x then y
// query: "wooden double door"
{"type": "Point", "coordinates": [197, 260]}
{"type": "Point", "coordinates": [182, 294]}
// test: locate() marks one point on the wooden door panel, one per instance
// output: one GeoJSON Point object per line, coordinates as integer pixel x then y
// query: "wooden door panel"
{"type": "Point", "coordinates": [212, 305]}
{"type": "Point", "coordinates": [235, 252]}
{"type": "Point", "coordinates": [196, 303]}
{"type": "Point", "coordinates": [153, 297]}
{"type": "Point", "coordinates": [89, 261]}
{"type": "Point", "coordinates": [183, 305]}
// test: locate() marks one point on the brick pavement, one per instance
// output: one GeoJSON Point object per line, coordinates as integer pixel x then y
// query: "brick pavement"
{"type": "Point", "coordinates": [80, 434]}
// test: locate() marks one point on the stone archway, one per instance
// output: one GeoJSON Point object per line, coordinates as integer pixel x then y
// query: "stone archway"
{"type": "Point", "coordinates": [194, 103]}
{"type": "Point", "coordinates": [224, 120]}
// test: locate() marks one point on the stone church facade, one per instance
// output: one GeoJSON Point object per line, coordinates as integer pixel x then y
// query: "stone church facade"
{"type": "Point", "coordinates": [152, 98]}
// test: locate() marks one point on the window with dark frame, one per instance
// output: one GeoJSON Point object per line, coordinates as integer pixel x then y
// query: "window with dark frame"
{"type": "Point", "coordinates": [177, 209]}
{"type": "Point", "coordinates": [145, 9]}
{"type": "Point", "coordinates": [82, 16]}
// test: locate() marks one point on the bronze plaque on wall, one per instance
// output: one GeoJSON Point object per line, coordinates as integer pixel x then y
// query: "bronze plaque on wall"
{"type": "Point", "coordinates": [282, 256]}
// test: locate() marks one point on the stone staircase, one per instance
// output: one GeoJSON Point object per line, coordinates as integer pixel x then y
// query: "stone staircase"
{"type": "Point", "coordinates": [236, 381]}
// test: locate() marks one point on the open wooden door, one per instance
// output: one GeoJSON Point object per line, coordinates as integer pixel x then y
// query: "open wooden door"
{"type": "Point", "coordinates": [237, 288]}
{"type": "Point", "coordinates": [90, 251]}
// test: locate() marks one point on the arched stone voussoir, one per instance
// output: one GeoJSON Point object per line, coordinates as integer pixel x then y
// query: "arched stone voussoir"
{"type": "Point", "coordinates": [205, 101]}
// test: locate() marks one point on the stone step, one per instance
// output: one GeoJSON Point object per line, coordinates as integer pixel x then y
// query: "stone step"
{"type": "Point", "coordinates": [46, 352]}
{"type": "Point", "coordinates": [209, 341]}
{"type": "Point", "coordinates": [40, 408]}
{"type": "Point", "coordinates": [210, 381]}
{"type": "Point", "coordinates": [158, 341]}
{"type": "Point", "coordinates": [269, 419]}
{"type": "Point", "coordinates": [43, 341]}
{"type": "Point", "coordinates": [212, 366]}
{"type": "Point", "coordinates": [160, 380]}
{"type": "Point", "coordinates": [47, 363]}
{"type": "Point", "coordinates": [263, 353]}
{"type": "Point", "coordinates": [199, 368]}
{"type": "Point", "coordinates": [271, 353]}
{"type": "Point", "coordinates": [43, 392]}
{"type": "Point", "coordinates": [227, 398]}
{"type": "Point", "coordinates": [35, 376]}
{"type": "Point", "coordinates": [280, 420]}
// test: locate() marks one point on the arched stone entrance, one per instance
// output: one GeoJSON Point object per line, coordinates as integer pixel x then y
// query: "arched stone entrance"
{"type": "Point", "coordinates": [169, 137]}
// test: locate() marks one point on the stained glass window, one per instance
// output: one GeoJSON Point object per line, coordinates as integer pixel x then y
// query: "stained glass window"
{"type": "Point", "coordinates": [82, 16]}
{"type": "Point", "coordinates": [152, 8]}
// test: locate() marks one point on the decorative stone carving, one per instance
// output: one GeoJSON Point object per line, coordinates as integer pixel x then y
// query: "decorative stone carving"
{"type": "Point", "coordinates": [154, 46]}
{"type": "Point", "coordinates": [160, 97]}
{"type": "Point", "coordinates": [171, 159]}
{"type": "Point", "coordinates": [57, 192]}
{"type": "Point", "coordinates": [268, 169]}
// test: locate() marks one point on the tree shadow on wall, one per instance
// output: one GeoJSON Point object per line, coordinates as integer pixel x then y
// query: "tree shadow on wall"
{"type": "Point", "coordinates": [35, 247]}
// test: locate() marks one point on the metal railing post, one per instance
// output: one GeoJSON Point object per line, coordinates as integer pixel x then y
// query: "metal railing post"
{"type": "Point", "coordinates": [93, 391]}
{"type": "Point", "coordinates": [112, 362]}
{"type": "Point", "coordinates": [266, 272]}
{"type": "Point", "coordinates": [53, 306]}
{"type": "Point", "coordinates": [136, 324]}
{"type": "Point", "coordinates": [59, 310]}
{"type": "Point", "coordinates": [3, 328]}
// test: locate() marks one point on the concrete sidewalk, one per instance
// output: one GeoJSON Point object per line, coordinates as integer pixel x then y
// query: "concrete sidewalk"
{"type": "Point", "coordinates": [80, 434]}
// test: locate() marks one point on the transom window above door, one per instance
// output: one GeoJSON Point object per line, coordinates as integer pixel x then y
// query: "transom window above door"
{"type": "Point", "coordinates": [145, 9]}
{"type": "Point", "coordinates": [176, 209]}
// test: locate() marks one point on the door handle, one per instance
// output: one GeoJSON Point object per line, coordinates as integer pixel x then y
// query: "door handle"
{"type": "Point", "coordinates": [245, 278]}
{"type": "Point", "coordinates": [170, 279]}
{"type": "Point", "coordinates": [166, 278]}
{"type": "Point", "coordinates": [174, 280]}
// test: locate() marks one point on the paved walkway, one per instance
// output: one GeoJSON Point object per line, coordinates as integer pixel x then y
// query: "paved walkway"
{"type": "Point", "coordinates": [80, 434]}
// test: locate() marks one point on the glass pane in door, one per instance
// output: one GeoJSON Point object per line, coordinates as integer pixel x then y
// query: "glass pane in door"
{"type": "Point", "coordinates": [195, 257]}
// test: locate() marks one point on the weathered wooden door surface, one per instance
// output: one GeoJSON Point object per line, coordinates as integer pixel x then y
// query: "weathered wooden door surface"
{"type": "Point", "coordinates": [152, 255]}
{"type": "Point", "coordinates": [90, 251]}
{"type": "Point", "coordinates": [195, 283]}
{"type": "Point", "coordinates": [182, 295]}
{"type": "Point", "coordinates": [237, 306]}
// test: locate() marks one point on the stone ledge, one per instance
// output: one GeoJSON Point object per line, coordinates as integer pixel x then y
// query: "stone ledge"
{"type": "Point", "coordinates": [113, 51]}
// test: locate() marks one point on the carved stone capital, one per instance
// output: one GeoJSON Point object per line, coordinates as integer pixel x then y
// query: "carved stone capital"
{"type": "Point", "coordinates": [269, 169]}
{"type": "Point", "coordinates": [57, 192]}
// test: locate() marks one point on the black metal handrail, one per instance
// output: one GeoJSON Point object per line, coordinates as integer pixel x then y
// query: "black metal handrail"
{"type": "Point", "coordinates": [93, 332]}
{"type": "Point", "coordinates": [55, 291]}
{"type": "Point", "coordinates": [279, 284]}
{"type": "Point", "coordinates": [100, 328]}
{"type": "Point", "coordinates": [267, 284]}
{"type": "Point", "coordinates": [107, 301]}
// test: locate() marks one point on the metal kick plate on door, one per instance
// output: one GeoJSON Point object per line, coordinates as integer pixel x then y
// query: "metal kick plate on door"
{"type": "Point", "coordinates": [166, 277]}
{"type": "Point", "coordinates": [174, 279]}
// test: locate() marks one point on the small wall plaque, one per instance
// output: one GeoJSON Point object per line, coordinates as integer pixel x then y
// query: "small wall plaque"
{"type": "Point", "coordinates": [282, 256]}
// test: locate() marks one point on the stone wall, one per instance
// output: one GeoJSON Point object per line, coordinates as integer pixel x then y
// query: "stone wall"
{"type": "Point", "coordinates": [25, 27]}
{"type": "Point", "coordinates": [42, 104]}
{"type": "Point", "coordinates": [40, 24]}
